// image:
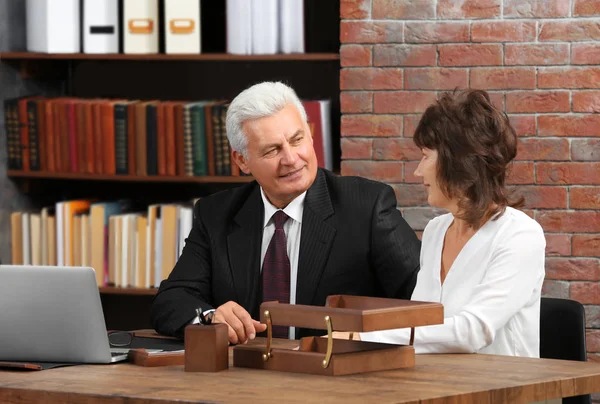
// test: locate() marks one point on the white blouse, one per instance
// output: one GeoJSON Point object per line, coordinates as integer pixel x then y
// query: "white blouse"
{"type": "Point", "coordinates": [491, 295]}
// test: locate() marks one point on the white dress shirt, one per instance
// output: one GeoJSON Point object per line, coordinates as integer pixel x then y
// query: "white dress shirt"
{"type": "Point", "coordinates": [491, 295]}
{"type": "Point", "coordinates": [292, 228]}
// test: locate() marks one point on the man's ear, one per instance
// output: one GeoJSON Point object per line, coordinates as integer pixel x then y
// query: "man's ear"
{"type": "Point", "coordinates": [240, 160]}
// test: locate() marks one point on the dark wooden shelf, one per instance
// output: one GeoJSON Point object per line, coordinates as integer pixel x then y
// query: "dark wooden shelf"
{"type": "Point", "coordinates": [113, 290]}
{"type": "Point", "coordinates": [170, 57]}
{"type": "Point", "coordinates": [128, 178]}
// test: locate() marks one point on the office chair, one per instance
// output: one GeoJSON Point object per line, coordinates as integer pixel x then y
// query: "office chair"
{"type": "Point", "coordinates": [562, 335]}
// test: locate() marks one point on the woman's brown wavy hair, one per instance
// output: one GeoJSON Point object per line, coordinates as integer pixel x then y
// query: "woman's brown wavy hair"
{"type": "Point", "coordinates": [475, 144]}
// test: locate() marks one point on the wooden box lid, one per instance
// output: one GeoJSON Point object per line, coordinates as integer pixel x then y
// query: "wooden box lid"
{"type": "Point", "coordinates": [355, 314]}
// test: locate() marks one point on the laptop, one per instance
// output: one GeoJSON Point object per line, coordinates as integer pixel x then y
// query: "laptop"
{"type": "Point", "coordinates": [53, 314]}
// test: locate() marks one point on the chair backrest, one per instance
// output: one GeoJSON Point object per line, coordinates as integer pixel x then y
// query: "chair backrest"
{"type": "Point", "coordinates": [562, 334]}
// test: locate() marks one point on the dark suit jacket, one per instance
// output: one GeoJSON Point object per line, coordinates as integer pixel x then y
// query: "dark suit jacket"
{"type": "Point", "coordinates": [353, 241]}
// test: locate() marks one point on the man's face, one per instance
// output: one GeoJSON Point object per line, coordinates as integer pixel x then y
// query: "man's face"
{"type": "Point", "coordinates": [280, 155]}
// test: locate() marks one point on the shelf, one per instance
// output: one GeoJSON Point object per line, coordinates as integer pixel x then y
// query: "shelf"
{"type": "Point", "coordinates": [127, 178]}
{"type": "Point", "coordinates": [164, 57]}
{"type": "Point", "coordinates": [113, 290]}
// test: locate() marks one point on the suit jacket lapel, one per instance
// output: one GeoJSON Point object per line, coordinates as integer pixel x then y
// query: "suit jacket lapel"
{"type": "Point", "coordinates": [316, 239]}
{"type": "Point", "coordinates": [243, 248]}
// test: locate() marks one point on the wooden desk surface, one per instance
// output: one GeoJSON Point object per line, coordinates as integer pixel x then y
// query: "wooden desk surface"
{"type": "Point", "coordinates": [434, 379]}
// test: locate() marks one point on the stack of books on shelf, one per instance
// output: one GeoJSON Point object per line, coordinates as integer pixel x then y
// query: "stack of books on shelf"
{"type": "Point", "coordinates": [126, 246]}
{"type": "Point", "coordinates": [132, 137]}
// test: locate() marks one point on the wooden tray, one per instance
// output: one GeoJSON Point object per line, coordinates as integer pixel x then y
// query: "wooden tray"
{"type": "Point", "coordinates": [334, 357]}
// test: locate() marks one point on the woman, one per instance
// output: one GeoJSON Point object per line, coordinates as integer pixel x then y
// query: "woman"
{"type": "Point", "coordinates": [484, 261]}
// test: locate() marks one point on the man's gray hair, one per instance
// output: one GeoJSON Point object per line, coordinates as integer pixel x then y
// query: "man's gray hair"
{"type": "Point", "coordinates": [259, 101]}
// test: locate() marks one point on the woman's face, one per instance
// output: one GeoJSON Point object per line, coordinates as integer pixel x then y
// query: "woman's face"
{"type": "Point", "coordinates": [427, 169]}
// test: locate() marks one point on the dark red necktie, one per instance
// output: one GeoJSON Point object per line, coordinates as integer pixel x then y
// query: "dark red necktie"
{"type": "Point", "coordinates": [276, 270]}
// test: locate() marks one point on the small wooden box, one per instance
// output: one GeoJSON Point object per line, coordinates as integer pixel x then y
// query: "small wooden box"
{"type": "Point", "coordinates": [334, 357]}
{"type": "Point", "coordinates": [206, 348]}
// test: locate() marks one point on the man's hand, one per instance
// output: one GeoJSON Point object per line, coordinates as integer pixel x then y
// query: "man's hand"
{"type": "Point", "coordinates": [241, 326]}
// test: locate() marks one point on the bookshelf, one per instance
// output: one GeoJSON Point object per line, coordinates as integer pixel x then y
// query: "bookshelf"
{"type": "Point", "coordinates": [128, 178]}
{"type": "Point", "coordinates": [111, 290]}
{"type": "Point", "coordinates": [223, 57]}
{"type": "Point", "coordinates": [212, 74]}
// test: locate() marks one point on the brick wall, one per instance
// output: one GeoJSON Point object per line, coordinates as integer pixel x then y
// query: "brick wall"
{"type": "Point", "coordinates": [540, 61]}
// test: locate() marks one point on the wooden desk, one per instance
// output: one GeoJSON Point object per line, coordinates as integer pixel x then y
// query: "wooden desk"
{"type": "Point", "coordinates": [434, 379]}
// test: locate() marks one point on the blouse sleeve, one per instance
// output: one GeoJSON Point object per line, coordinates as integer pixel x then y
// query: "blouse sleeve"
{"type": "Point", "coordinates": [516, 267]}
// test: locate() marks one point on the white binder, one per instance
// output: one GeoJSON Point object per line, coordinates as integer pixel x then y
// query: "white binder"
{"type": "Point", "coordinates": [140, 26]}
{"type": "Point", "coordinates": [239, 28]}
{"type": "Point", "coordinates": [101, 26]}
{"type": "Point", "coordinates": [182, 26]}
{"type": "Point", "coordinates": [291, 26]}
{"type": "Point", "coordinates": [53, 26]}
{"type": "Point", "coordinates": [265, 26]}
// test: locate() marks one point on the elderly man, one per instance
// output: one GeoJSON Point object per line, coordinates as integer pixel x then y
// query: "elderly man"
{"type": "Point", "coordinates": [296, 234]}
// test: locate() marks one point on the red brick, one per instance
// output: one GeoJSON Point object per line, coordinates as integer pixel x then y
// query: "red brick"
{"type": "Point", "coordinates": [595, 358]}
{"type": "Point", "coordinates": [592, 339]}
{"type": "Point", "coordinates": [356, 101]}
{"type": "Point", "coordinates": [585, 53]}
{"type": "Point", "coordinates": [371, 125]}
{"type": "Point", "coordinates": [356, 148]}
{"type": "Point", "coordinates": [538, 101]}
{"type": "Point", "coordinates": [586, 245]}
{"type": "Point", "coordinates": [543, 149]}
{"type": "Point", "coordinates": [524, 125]}
{"type": "Point", "coordinates": [569, 77]}
{"type": "Point", "coordinates": [503, 31]}
{"type": "Point", "coordinates": [409, 173]}
{"type": "Point", "coordinates": [371, 31]}
{"type": "Point", "coordinates": [497, 99]}
{"type": "Point", "coordinates": [436, 32]}
{"type": "Point", "coordinates": [395, 149]}
{"type": "Point", "coordinates": [410, 124]}
{"type": "Point", "coordinates": [561, 221]}
{"type": "Point", "coordinates": [586, 101]}
{"type": "Point", "coordinates": [371, 78]}
{"type": "Point", "coordinates": [568, 173]}
{"type": "Point", "coordinates": [586, 292]}
{"type": "Point", "coordinates": [435, 79]}
{"type": "Point", "coordinates": [390, 102]}
{"type": "Point", "coordinates": [403, 9]}
{"type": "Point", "coordinates": [557, 244]}
{"type": "Point", "coordinates": [356, 55]}
{"type": "Point", "coordinates": [520, 173]}
{"type": "Point", "coordinates": [452, 9]}
{"type": "Point", "coordinates": [470, 55]}
{"type": "Point", "coordinates": [405, 55]}
{"type": "Point", "coordinates": [410, 195]}
{"type": "Point", "coordinates": [539, 197]}
{"type": "Point", "coordinates": [536, 8]}
{"type": "Point", "coordinates": [573, 269]}
{"type": "Point", "coordinates": [355, 9]}
{"type": "Point", "coordinates": [585, 149]}
{"type": "Point", "coordinates": [386, 171]}
{"type": "Point", "coordinates": [584, 198]}
{"type": "Point", "coordinates": [569, 125]}
{"type": "Point", "coordinates": [568, 31]}
{"type": "Point", "coordinates": [534, 54]}
{"type": "Point", "coordinates": [558, 289]}
{"type": "Point", "coordinates": [586, 7]}
{"type": "Point", "coordinates": [500, 78]}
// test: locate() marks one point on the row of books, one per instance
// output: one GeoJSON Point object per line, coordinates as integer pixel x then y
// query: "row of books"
{"type": "Point", "coordinates": [125, 246]}
{"type": "Point", "coordinates": [142, 26]}
{"type": "Point", "coordinates": [132, 137]}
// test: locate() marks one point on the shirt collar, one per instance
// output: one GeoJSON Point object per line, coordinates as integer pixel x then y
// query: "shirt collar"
{"type": "Point", "coordinates": [294, 209]}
